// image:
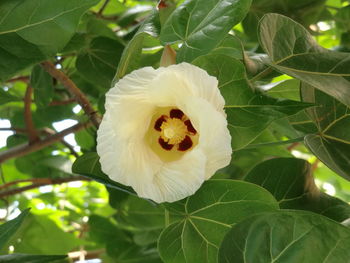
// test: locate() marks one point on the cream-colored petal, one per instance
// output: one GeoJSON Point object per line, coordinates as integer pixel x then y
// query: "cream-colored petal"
{"type": "Point", "coordinates": [129, 162]}
{"type": "Point", "coordinates": [175, 82]}
{"type": "Point", "coordinates": [130, 105]}
{"type": "Point", "coordinates": [214, 137]}
{"type": "Point", "coordinates": [176, 180]}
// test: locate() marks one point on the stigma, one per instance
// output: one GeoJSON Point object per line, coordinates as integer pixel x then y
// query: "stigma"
{"type": "Point", "coordinates": [175, 131]}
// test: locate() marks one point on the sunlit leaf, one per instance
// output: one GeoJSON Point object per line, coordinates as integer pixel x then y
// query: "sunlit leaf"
{"type": "Point", "coordinates": [207, 216]}
{"type": "Point", "coordinates": [293, 236]}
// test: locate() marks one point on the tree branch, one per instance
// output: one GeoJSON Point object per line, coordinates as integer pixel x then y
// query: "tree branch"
{"type": "Point", "coordinates": [21, 78]}
{"type": "Point", "coordinates": [61, 102]}
{"type": "Point", "coordinates": [74, 90]}
{"type": "Point", "coordinates": [26, 148]}
{"type": "Point", "coordinates": [103, 7]}
{"type": "Point", "coordinates": [32, 133]}
{"type": "Point", "coordinates": [37, 182]}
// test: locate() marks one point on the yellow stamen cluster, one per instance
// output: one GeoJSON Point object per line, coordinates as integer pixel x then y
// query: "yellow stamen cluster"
{"type": "Point", "coordinates": [173, 130]}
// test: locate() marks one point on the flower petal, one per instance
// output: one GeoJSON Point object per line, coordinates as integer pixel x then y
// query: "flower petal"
{"type": "Point", "coordinates": [214, 137]}
{"type": "Point", "coordinates": [175, 82]}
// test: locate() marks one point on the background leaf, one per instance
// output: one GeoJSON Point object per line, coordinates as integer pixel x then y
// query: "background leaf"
{"type": "Point", "coordinates": [300, 56]}
{"type": "Point", "coordinates": [8, 229]}
{"type": "Point", "coordinates": [31, 30]}
{"type": "Point", "coordinates": [201, 25]}
{"type": "Point", "coordinates": [287, 233]}
{"type": "Point", "coordinates": [207, 216]}
{"type": "Point", "coordinates": [291, 182]}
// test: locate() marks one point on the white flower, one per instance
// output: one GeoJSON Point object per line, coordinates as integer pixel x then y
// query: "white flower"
{"type": "Point", "coordinates": [164, 131]}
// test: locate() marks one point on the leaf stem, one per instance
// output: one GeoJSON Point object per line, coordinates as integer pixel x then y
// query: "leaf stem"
{"type": "Point", "coordinates": [32, 133]}
{"type": "Point", "coordinates": [252, 146]}
{"type": "Point", "coordinates": [166, 217]}
{"type": "Point", "coordinates": [262, 74]}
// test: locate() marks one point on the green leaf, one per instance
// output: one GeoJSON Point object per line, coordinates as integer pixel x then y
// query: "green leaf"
{"type": "Point", "coordinates": [99, 61]}
{"type": "Point", "coordinates": [42, 84]}
{"type": "Point", "coordinates": [287, 89]}
{"type": "Point", "coordinates": [132, 53]}
{"type": "Point", "coordinates": [300, 56]}
{"type": "Point", "coordinates": [201, 25]}
{"type": "Point", "coordinates": [280, 237]}
{"type": "Point", "coordinates": [20, 258]}
{"type": "Point", "coordinates": [101, 230]}
{"type": "Point", "coordinates": [8, 229]}
{"type": "Point", "coordinates": [230, 46]}
{"type": "Point", "coordinates": [6, 97]}
{"type": "Point", "coordinates": [31, 30]}
{"type": "Point", "coordinates": [41, 235]}
{"type": "Point", "coordinates": [207, 216]}
{"type": "Point", "coordinates": [334, 154]}
{"type": "Point", "coordinates": [88, 165]}
{"type": "Point", "coordinates": [291, 183]}
{"type": "Point", "coordinates": [249, 112]}
{"type": "Point", "coordinates": [332, 142]}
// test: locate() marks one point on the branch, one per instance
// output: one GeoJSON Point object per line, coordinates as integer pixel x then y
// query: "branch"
{"type": "Point", "coordinates": [103, 7]}
{"type": "Point", "coordinates": [32, 133]}
{"type": "Point", "coordinates": [61, 102]}
{"type": "Point", "coordinates": [26, 148]}
{"type": "Point", "coordinates": [74, 90]}
{"type": "Point", "coordinates": [37, 182]}
{"type": "Point", "coordinates": [21, 78]}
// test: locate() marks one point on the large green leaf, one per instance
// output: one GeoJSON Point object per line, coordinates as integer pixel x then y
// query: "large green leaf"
{"type": "Point", "coordinates": [21, 258]}
{"type": "Point", "coordinates": [131, 56]}
{"type": "Point", "coordinates": [98, 63]}
{"type": "Point", "coordinates": [293, 51]}
{"type": "Point", "coordinates": [8, 229]}
{"type": "Point", "coordinates": [201, 25]}
{"type": "Point", "coordinates": [207, 216]}
{"type": "Point", "coordinates": [31, 30]}
{"type": "Point", "coordinates": [291, 183]}
{"type": "Point", "coordinates": [42, 84]}
{"type": "Point", "coordinates": [281, 237]}
{"type": "Point", "coordinates": [89, 166]}
{"type": "Point", "coordinates": [6, 97]}
{"type": "Point", "coordinates": [249, 112]}
{"type": "Point", "coordinates": [305, 12]}
{"type": "Point", "coordinates": [332, 142]}
{"type": "Point", "coordinates": [41, 235]}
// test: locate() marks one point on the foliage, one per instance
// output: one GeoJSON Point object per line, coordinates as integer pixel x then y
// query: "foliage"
{"type": "Point", "coordinates": [283, 68]}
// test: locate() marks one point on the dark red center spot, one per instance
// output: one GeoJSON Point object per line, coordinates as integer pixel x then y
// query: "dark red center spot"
{"type": "Point", "coordinates": [190, 127]}
{"type": "Point", "coordinates": [176, 113]}
{"type": "Point", "coordinates": [165, 145]}
{"type": "Point", "coordinates": [159, 122]}
{"type": "Point", "coordinates": [185, 144]}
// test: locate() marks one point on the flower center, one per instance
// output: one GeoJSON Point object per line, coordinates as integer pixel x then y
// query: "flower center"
{"type": "Point", "coordinates": [171, 133]}
{"type": "Point", "coordinates": [173, 130]}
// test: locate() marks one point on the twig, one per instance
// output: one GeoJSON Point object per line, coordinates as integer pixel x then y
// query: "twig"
{"type": "Point", "coordinates": [37, 182]}
{"type": "Point", "coordinates": [262, 74]}
{"type": "Point", "coordinates": [26, 148]}
{"type": "Point", "coordinates": [102, 8]}
{"type": "Point", "coordinates": [61, 102]}
{"type": "Point", "coordinates": [21, 78]}
{"type": "Point", "coordinates": [17, 130]}
{"type": "Point", "coordinates": [32, 133]}
{"type": "Point", "coordinates": [315, 165]}
{"type": "Point", "coordinates": [292, 146]}
{"type": "Point", "coordinates": [74, 90]}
